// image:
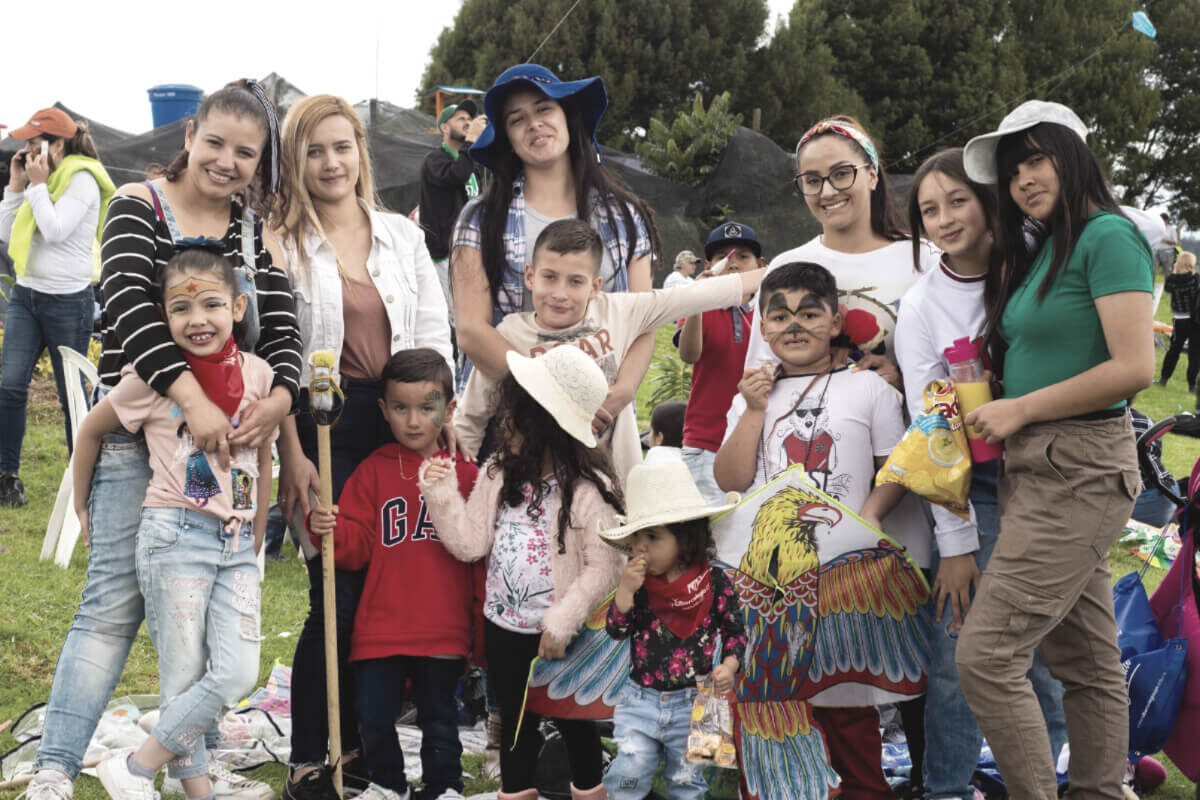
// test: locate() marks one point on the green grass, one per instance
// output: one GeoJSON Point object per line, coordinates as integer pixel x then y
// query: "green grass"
{"type": "Point", "coordinates": [37, 599]}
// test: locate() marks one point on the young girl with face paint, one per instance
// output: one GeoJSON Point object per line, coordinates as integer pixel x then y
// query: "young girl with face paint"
{"type": "Point", "coordinates": [218, 187]}
{"type": "Point", "coordinates": [862, 242]}
{"type": "Point", "coordinates": [958, 216]}
{"type": "Point", "coordinates": [1070, 330]}
{"type": "Point", "coordinates": [202, 523]}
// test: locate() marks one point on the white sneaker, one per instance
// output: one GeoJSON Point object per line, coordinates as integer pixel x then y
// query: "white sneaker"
{"type": "Point", "coordinates": [226, 784]}
{"type": "Point", "coordinates": [50, 784]}
{"type": "Point", "coordinates": [451, 794]}
{"type": "Point", "coordinates": [120, 783]}
{"type": "Point", "coordinates": [376, 792]}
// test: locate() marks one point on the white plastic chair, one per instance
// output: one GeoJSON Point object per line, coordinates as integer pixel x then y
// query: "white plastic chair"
{"type": "Point", "coordinates": [63, 531]}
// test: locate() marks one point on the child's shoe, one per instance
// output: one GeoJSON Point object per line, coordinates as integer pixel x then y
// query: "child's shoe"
{"type": "Point", "coordinates": [226, 785]}
{"type": "Point", "coordinates": [50, 784]}
{"type": "Point", "coordinates": [316, 784]}
{"type": "Point", "coordinates": [12, 490]}
{"type": "Point", "coordinates": [120, 783]}
{"type": "Point", "coordinates": [377, 792]}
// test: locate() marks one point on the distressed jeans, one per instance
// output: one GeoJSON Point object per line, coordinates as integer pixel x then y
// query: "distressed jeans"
{"type": "Point", "coordinates": [110, 610]}
{"type": "Point", "coordinates": [700, 463]}
{"type": "Point", "coordinates": [650, 728]}
{"type": "Point", "coordinates": [202, 611]}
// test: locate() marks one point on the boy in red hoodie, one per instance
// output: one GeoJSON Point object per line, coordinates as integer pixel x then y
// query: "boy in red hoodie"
{"type": "Point", "coordinates": [419, 612]}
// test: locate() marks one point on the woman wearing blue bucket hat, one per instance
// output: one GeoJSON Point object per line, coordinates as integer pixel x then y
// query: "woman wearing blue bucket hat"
{"type": "Point", "coordinates": [540, 145]}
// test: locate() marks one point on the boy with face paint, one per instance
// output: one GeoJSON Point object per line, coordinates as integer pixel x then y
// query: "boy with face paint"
{"type": "Point", "coordinates": [841, 425]}
{"type": "Point", "coordinates": [420, 616]}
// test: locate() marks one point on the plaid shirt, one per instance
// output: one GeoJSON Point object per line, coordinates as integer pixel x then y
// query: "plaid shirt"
{"type": "Point", "coordinates": [1184, 288]}
{"type": "Point", "coordinates": [512, 290]}
{"type": "Point", "coordinates": [1141, 424]}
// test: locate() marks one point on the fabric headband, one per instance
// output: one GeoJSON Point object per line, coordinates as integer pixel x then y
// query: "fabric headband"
{"type": "Point", "coordinates": [841, 129]}
{"type": "Point", "coordinates": [200, 242]}
{"type": "Point", "coordinates": [272, 132]}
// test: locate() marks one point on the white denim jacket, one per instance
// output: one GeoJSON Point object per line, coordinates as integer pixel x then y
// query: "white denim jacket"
{"type": "Point", "coordinates": [401, 270]}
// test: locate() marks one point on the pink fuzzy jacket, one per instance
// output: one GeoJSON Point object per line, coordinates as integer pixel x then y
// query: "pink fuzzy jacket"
{"type": "Point", "coordinates": [583, 576]}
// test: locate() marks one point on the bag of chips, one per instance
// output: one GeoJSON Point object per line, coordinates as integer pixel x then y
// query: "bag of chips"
{"type": "Point", "coordinates": [710, 737]}
{"type": "Point", "coordinates": [933, 459]}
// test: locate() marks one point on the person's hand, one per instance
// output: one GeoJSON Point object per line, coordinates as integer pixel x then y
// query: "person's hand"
{"type": "Point", "coordinates": [882, 366]}
{"type": "Point", "coordinates": [259, 420]}
{"type": "Point", "coordinates": [999, 419]}
{"type": "Point", "coordinates": [633, 575]}
{"type": "Point", "coordinates": [614, 403]}
{"type": "Point", "coordinates": [755, 385]}
{"type": "Point", "coordinates": [722, 676]}
{"type": "Point", "coordinates": [957, 579]}
{"type": "Point", "coordinates": [210, 429]}
{"type": "Point", "coordinates": [297, 477]}
{"type": "Point", "coordinates": [449, 441]}
{"type": "Point", "coordinates": [37, 168]}
{"type": "Point", "coordinates": [323, 520]}
{"type": "Point", "coordinates": [16, 172]}
{"type": "Point", "coordinates": [81, 511]}
{"type": "Point", "coordinates": [550, 648]}
{"type": "Point", "coordinates": [436, 469]}
{"type": "Point", "coordinates": [475, 128]}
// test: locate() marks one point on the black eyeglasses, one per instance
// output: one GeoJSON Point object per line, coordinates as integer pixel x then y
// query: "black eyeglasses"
{"type": "Point", "coordinates": [840, 178]}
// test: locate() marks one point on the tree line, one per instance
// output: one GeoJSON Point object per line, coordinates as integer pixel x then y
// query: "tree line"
{"type": "Point", "coordinates": [920, 74]}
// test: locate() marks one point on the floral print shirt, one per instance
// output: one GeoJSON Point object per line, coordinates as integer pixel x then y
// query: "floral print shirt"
{"type": "Point", "coordinates": [662, 661]}
{"type": "Point", "coordinates": [520, 585]}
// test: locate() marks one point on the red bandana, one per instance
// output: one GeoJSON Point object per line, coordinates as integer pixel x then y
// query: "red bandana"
{"type": "Point", "coordinates": [683, 603]}
{"type": "Point", "coordinates": [220, 376]}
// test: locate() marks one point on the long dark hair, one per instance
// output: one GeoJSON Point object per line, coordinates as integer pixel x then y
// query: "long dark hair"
{"type": "Point", "coordinates": [589, 175]}
{"type": "Point", "coordinates": [695, 541]}
{"type": "Point", "coordinates": [235, 98]}
{"type": "Point", "coordinates": [885, 220]}
{"type": "Point", "coordinates": [1081, 182]}
{"type": "Point", "coordinates": [539, 434]}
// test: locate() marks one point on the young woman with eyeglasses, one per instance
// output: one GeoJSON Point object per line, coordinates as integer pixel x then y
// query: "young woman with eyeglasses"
{"type": "Point", "coordinates": [862, 242]}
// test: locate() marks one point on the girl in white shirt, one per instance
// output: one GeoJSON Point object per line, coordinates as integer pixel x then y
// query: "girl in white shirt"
{"type": "Point", "coordinates": [52, 212]}
{"type": "Point", "coordinates": [365, 287]}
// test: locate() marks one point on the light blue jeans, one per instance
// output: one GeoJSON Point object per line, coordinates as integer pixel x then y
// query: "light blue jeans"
{"type": "Point", "coordinates": [110, 610]}
{"type": "Point", "coordinates": [700, 463]}
{"type": "Point", "coordinates": [202, 610]}
{"type": "Point", "coordinates": [649, 726]}
{"type": "Point", "coordinates": [952, 737]}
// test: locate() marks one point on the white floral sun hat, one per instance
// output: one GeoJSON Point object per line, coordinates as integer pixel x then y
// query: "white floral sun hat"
{"type": "Point", "coordinates": [659, 494]}
{"type": "Point", "coordinates": [565, 382]}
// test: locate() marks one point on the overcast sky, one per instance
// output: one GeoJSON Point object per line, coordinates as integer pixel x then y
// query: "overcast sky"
{"type": "Point", "coordinates": [100, 58]}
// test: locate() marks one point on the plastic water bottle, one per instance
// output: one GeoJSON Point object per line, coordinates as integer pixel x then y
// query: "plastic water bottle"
{"type": "Point", "coordinates": [966, 370]}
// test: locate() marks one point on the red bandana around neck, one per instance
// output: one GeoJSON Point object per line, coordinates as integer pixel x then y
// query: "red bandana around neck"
{"type": "Point", "coordinates": [681, 604]}
{"type": "Point", "coordinates": [220, 376]}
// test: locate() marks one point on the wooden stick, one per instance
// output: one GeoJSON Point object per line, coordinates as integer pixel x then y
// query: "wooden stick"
{"type": "Point", "coordinates": [25, 779]}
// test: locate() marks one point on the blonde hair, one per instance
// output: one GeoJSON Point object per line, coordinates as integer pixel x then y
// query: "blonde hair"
{"type": "Point", "coordinates": [1185, 261]}
{"type": "Point", "coordinates": [295, 215]}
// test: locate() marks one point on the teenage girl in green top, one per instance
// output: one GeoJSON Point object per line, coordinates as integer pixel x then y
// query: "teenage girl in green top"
{"type": "Point", "coordinates": [1070, 328]}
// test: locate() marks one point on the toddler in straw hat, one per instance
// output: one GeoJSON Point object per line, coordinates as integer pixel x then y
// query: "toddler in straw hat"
{"type": "Point", "coordinates": [681, 616]}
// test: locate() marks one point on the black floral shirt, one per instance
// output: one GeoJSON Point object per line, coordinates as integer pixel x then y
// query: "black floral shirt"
{"type": "Point", "coordinates": [662, 661]}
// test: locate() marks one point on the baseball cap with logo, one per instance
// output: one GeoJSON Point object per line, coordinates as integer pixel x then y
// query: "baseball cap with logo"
{"type": "Point", "coordinates": [449, 111]}
{"type": "Point", "coordinates": [49, 120]}
{"type": "Point", "coordinates": [732, 233]}
{"type": "Point", "coordinates": [979, 156]}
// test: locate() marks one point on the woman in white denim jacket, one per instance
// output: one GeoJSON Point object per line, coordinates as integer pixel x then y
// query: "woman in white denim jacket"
{"type": "Point", "coordinates": [365, 288]}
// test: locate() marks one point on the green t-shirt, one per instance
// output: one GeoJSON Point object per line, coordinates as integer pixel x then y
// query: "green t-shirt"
{"type": "Point", "coordinates": [1059, 337]}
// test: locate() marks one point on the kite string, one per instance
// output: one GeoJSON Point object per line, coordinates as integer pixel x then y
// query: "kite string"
{"type": "Point", "coordinates": [552, 30]}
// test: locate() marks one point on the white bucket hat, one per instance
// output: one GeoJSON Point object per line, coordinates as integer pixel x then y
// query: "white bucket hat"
{"type": "Point", "coordinates": [565, 382]}
{"type": "Point", "coordinates": [659, 494]}
{"type": "Point", "coordinates": [979, 156]}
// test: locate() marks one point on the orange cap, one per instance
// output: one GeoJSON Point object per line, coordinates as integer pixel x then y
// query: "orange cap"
{"type": "Point", "coordinates": [48, 120]}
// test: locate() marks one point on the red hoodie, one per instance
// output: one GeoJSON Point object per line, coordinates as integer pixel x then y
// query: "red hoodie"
{"type": "Point", "coordinates": [418, 599]}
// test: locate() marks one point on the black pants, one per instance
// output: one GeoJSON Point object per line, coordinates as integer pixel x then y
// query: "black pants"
{"type": "Point", "coordinates": [509, 656]}
{"type": "Point", "coordinates": [359, 432]}
{"type": "Point", "coordinates": [1186, 332]}
{"type": "Point", "coordinates": [380, 694]}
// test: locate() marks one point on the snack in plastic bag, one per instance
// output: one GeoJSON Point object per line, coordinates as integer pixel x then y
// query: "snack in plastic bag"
{"type": "Point", "coordinates": [933, 459]}
{"type": "Point", "coordinates": [710, 737]}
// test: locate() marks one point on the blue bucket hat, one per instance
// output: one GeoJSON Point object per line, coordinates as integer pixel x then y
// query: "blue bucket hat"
{"type": "Point", "coordinates": [592, 101]}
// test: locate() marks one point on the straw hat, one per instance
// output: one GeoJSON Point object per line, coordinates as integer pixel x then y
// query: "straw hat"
{"type": "Point", "coordinates": [565, 382]}
{"type": "Point", "coordinates": [660, 494]}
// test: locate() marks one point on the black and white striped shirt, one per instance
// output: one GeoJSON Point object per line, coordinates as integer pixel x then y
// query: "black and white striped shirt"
{"type": "Point", "coordinates": [135, 245]}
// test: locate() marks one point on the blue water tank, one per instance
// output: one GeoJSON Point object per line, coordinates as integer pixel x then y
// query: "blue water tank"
{"type": "Point", "coordinates": [172, 101]}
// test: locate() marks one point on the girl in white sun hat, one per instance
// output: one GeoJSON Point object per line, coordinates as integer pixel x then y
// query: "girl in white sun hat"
{"type": "Point", "coordinates": [535, 512]}
{"type": "Point", "coordinates": [680, 615]}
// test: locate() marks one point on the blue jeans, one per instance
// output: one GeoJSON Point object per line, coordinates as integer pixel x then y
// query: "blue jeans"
{"type": "Point", "coordinates": [650, 726]}
{"type": "Point", "coordinates": [37, 321]}
{"type": "Point", "coordinates": [952, 737]}
{"type": "Point", "coordinates": [110, 610]}
{"type": "Point", "coordinates": [380, 694]}
{"type": "Point", "coordinates": [700, 463]}
{"type": "Point", "coordinates": [202, 611]}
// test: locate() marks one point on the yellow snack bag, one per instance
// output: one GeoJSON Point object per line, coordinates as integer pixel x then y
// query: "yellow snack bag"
{"type": "Point", "coordinates": [933, 459]}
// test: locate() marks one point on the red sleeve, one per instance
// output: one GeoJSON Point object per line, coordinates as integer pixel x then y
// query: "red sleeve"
{"type": "Point", "coordinates": [358, 512]}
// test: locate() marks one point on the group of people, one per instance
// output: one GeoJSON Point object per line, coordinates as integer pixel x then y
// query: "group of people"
{"type": "Point", "coordinates": [486, 525]}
